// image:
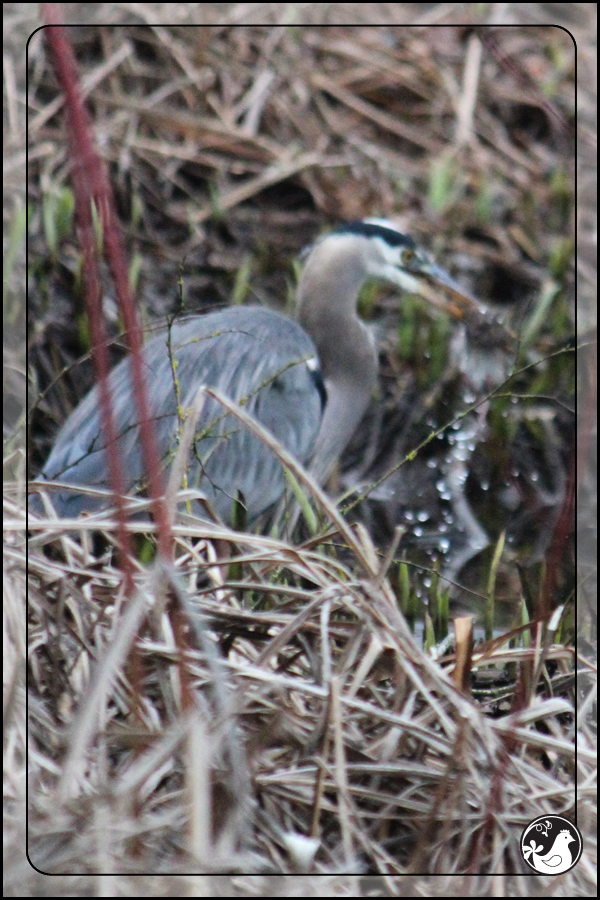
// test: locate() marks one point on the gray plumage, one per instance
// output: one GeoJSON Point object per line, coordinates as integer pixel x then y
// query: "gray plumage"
{"type": "Point", "coordinates": [267, 362]}
{"type": "Point", "coordinates": [256, 357]}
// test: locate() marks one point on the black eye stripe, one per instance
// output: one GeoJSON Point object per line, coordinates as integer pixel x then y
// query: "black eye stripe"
{"type": "Point", "coordinates": [370, 229]}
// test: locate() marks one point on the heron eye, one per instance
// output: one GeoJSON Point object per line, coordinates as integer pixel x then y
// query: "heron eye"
{"type": "Point", "coordinates": [407, 256]}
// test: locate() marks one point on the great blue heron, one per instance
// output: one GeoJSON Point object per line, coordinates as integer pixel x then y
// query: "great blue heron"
{"type": "Point", "coordinates": [308, 382]}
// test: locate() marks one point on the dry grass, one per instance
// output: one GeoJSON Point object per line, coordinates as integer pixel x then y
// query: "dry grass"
{"type": "Point", "coordinates": [320, 737]}
{"type": "Point", "coordinates": [258, 707]}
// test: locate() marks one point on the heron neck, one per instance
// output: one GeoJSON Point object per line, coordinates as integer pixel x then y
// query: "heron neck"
{"type": "Point", "coordinates": [327, 299]}
{"type": "Point", "coordinates": [346, 405]}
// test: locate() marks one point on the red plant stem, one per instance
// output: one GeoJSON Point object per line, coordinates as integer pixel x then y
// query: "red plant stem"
{"type": "Point", "coordinates": [564, 527]}
{"type": "Point", "coordinates": [92, 188]}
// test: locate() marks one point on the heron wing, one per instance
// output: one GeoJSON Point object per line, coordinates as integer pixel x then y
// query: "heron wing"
{"type": "Point", "coordinates": [256, 357]}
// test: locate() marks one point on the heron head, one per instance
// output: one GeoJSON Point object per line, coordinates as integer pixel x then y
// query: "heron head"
{"type": "Point", "coordinates": [389, 255]}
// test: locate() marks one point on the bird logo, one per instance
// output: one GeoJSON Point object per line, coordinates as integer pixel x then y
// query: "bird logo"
{"type": "Point", "coordinates": [557, 851]}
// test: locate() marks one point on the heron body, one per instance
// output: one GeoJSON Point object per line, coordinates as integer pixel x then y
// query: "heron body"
{"type": "Point", "coordinates": [307, 382]}
{"type": "Point", "coordinates": [255, 356]}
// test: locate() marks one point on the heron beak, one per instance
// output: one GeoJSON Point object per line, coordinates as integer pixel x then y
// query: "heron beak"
{"type": "Point", "coordinates": [436, 286]}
